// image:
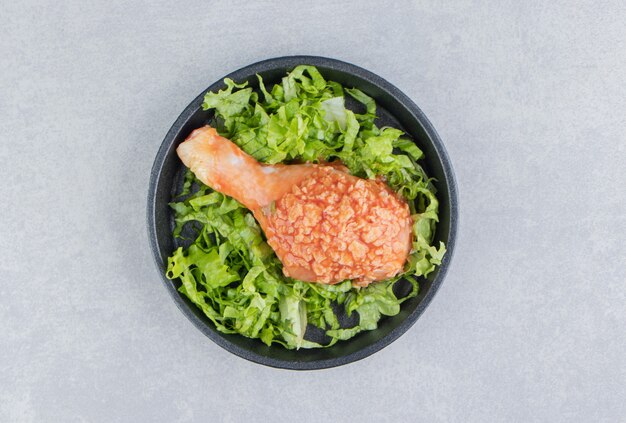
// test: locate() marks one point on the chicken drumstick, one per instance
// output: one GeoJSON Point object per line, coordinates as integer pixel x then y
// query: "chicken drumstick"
{"type": "Point", "coordinates": [324, 224]}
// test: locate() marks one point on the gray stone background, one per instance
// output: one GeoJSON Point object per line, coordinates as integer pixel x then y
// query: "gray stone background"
{"type": "Point", "coordinates": [529, 98]}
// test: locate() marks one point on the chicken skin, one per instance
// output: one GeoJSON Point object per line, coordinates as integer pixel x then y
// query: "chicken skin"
{"type": "Point", "coordinates": [324, 224]}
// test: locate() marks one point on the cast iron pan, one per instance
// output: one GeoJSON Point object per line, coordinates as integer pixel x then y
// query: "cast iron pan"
{"type": "Point", "coordinates": [394, 109]}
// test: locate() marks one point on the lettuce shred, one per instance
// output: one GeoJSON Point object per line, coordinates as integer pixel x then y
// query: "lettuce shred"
{"type": "Point", "coordinates": [230, 272]}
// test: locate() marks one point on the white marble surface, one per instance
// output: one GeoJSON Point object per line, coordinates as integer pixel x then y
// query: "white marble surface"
{"type": "Point", "coordinates": [529, 98]}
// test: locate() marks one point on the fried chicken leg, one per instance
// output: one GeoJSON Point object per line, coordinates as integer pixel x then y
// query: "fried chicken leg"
{"type": "Point", "coordinates": [324, 224]}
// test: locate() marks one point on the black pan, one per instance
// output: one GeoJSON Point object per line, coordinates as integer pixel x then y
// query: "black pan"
{"type": "Point", "coordinates": [395, 109]}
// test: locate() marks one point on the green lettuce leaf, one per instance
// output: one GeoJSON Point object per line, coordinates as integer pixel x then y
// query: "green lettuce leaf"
{"type": "Point", "coordinates": [227, 268]}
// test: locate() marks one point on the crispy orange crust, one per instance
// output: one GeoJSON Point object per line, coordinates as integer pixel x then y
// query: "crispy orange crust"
{"type": "Point", "coordinates": [333, 226]}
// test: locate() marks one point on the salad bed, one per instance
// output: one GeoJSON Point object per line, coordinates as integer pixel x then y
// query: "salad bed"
{"type": "Point", "coordinates": [228, 270]}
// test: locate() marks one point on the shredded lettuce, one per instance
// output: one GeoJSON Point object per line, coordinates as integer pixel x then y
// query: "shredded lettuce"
{"type": "Point", "coordinates": [230, 272]}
